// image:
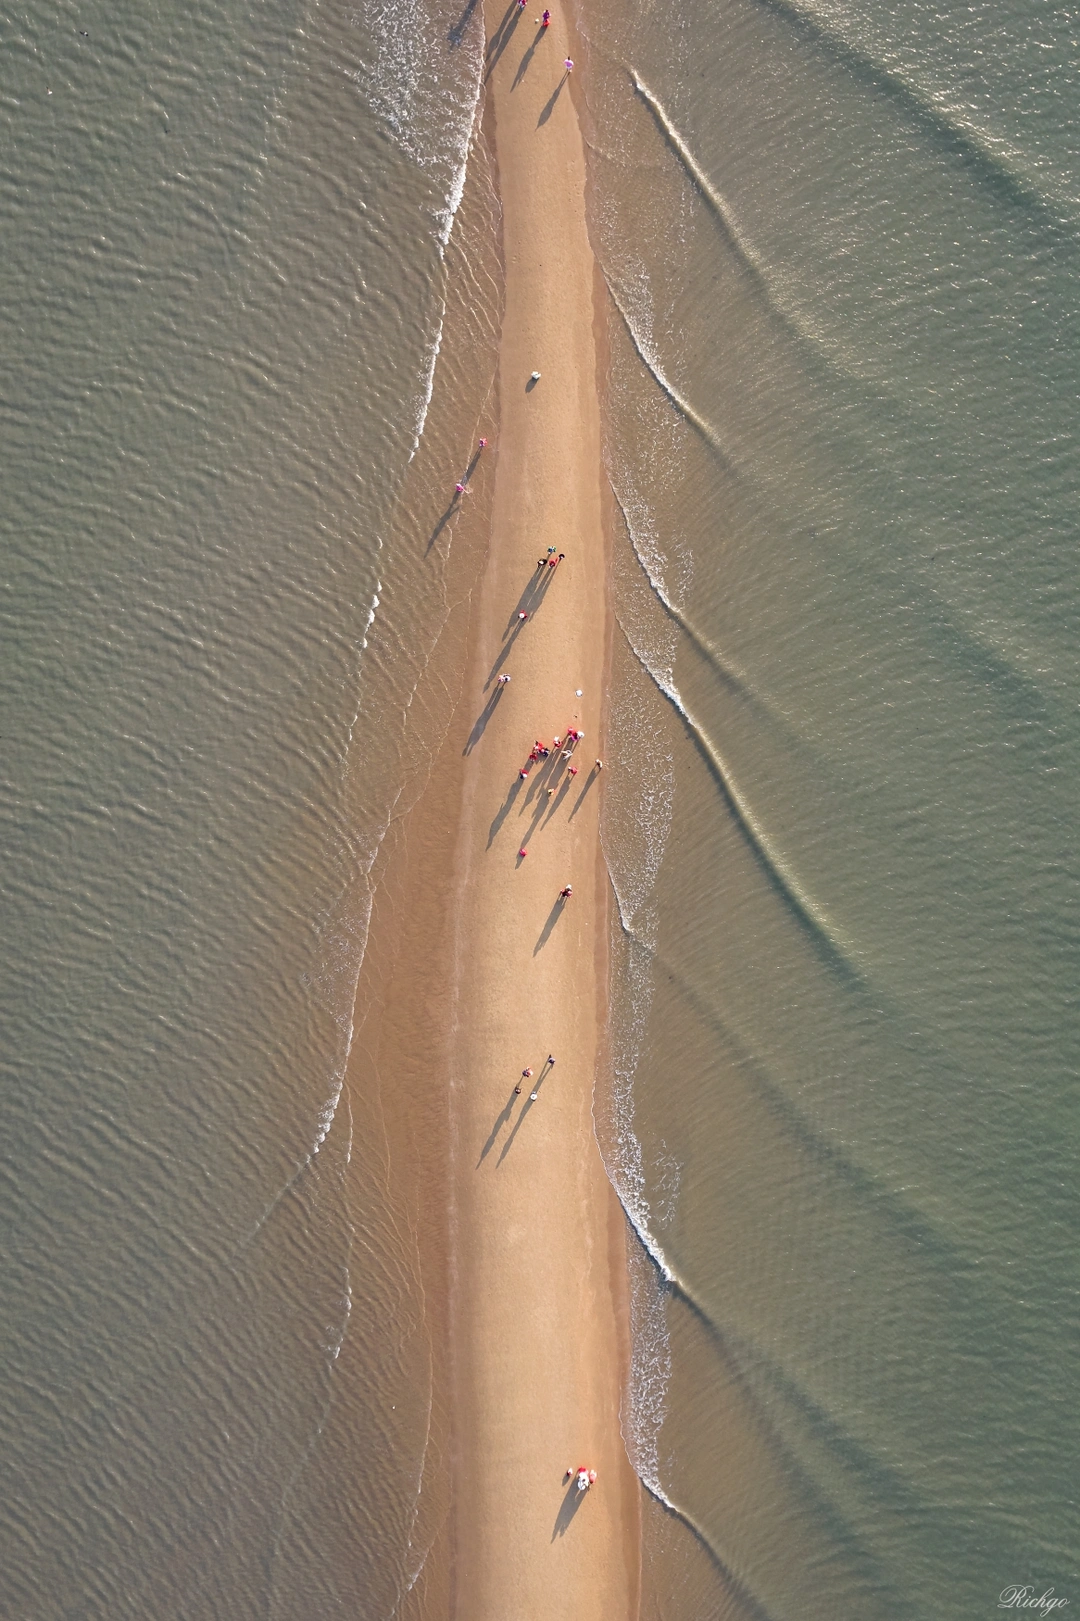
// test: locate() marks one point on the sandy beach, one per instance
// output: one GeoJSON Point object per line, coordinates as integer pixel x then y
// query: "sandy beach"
{"type": "Point", "coordinates": [538, 1325]}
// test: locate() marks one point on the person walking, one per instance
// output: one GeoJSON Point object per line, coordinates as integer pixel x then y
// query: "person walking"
{"type": "Point", "coordinates": [503, 679]}
{"type": "Point", "coordinates": [568, 64]}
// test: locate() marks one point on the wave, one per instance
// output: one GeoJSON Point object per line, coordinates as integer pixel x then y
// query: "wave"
{"type": "Point", "coordinates": [1000, 165]}
{"type": "Point", "coordinates": [649, 359]}
{"type": "Point", "coordinates": [429, 100]}
{"type": "Point", "coordinates": [738, 1585]}
{"type": "Point", "coordinates": [838, 950]}
{"type": "Point", "coordinates": [723, 214]}
{"type": "Point", "coordinates": [729, 675]}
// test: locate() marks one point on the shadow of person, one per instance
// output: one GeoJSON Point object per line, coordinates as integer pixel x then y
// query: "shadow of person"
{"type": "Point", "coordinates": [443, 521]}
{"type": "Point", "coordinates": [457, 32]}
{"type": "Point", "coordinates": [530, 1103]}
{"type": "Point", "coordinates": [505, 652]}
{"type": "Point", "coordinates": [555, 802]}
{"type": "Point", "coordinates": [500, 1122]}
{"type": "Point", "coordinates": [531, 597]}
{"type": "Point", "coordinates": [552, 918]}
{"type": "Point", "coordinates": [523, 65]}
{"type": "Point", "coordinates": [501, 39]}
{"type": "Point", "coordinates": [589, 780]}
{"type": "Point", "coordinates": [504, 810]}
{"type": "Point", "coordinates": [572, 1501]}
{"type": "Point", "coordinates": [537, 781]}
{"type": "Point", "coordinates": [482, 719]}
{"type": "Point", "coordinates": [493, 42]}
{"type": "Point", "coordinates": [549, 105]}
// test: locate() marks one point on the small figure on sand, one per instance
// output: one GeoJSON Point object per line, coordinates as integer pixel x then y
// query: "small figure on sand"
{"type": "Point", "coordinates": [568, 64]}
{"type": "Point", "coordinates": [551, 1061]}
{"type": "Point", "coordinates": [503, 679]}
{"type": "Point", "coordinates": [545, 21]}
{"type": "Point", "coordinates": [522, 853]}
{"type": "Point", "coordinates": [584, 1478]}
{"type": "Point", "coordinates": [524, 772]}
{"type": "Point", "coordinates": [523, 615]}
{"type": "Point", "coordinates": [565, 894]}
{"type": "Point", "coordinates": [599, 765]}
{"type": "Point", "coordinates": [526, 1075]}
{"type": "Point", "coordinates": [459, 488]}
{"type": "Point", "coordinates": [482, 445]}
{"type": "Point", "coordinates": [572, 770]}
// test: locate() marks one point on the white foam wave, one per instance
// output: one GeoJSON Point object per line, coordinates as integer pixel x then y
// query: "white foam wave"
{"type": "Point", "coordinates": [428, 96]}
{"type": "Point", "coordinates": [814, 915]}
{"type": "Point", "coordinates": [651, 360]}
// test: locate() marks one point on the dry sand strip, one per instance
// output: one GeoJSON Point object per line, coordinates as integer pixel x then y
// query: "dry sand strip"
{"type": "Point", "coordinates": [538, 1276]}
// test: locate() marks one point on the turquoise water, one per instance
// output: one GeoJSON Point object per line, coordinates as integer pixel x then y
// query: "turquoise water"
{"type": "Point", "coordinates": [248, 316]}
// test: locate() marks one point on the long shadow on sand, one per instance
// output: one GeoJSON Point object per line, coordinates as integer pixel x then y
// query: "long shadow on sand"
{"type": "Point", "coordinates": [531, 598]}
{"type": "Point", "coordinates": [504, 810]}
{"type": "Point", "coordinates": [549, 105]}
{"type": "Point", "coordinates": [455, 506]}
{"type": "Point", "coordinates": [480, 724]}
{"type": "Point", "coordinates": [569, 1506]}
{"type": "Point", "coordinates": [500, 1122]}
{"type": "Point", "coordinates": [552, 918]}
{"type": "Point", "coordinates": [530, 1103]}
{"type": "Point", "coordinates": [501, 38]}
{"type": "Point", "coordinates": [589, 780]}
{"type": "Point", "coordinates": [523, 65]}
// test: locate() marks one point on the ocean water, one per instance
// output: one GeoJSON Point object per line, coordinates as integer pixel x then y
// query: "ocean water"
{"type": "Point", "coordinates": [841, 249]}
{"type": "Point", "coordinates": [227, 262]}
{"type": "Point", "coordinates": [249, 305]}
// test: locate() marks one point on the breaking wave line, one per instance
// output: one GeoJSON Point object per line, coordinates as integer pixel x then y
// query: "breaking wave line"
{"type": "Point", "coordinates": [733, 678]}
{"type": "Point", "coordinates": [684, 408]}
{"type": "Point", "coordinates": [839, 951]}
{"type": "Point", "coordinates": [709, 193]}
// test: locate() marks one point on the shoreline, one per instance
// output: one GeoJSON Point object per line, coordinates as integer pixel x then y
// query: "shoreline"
{"type": "Point", "coordinates": [539, 1312]}
{"type": "Point", "coordinates": [473, 972]}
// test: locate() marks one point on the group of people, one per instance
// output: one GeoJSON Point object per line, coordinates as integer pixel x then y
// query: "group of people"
{"type": "Point", "coordinates": [545, 22]}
